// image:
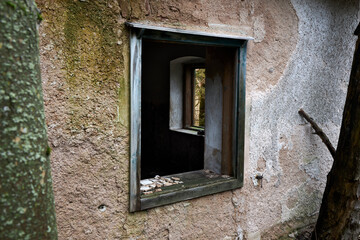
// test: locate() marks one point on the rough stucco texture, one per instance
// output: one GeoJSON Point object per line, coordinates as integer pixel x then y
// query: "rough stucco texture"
{"type": "Point", "coordinates": [301, 57]}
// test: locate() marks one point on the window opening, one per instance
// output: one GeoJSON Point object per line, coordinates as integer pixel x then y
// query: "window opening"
{"type": "Point", "coordinates": [199, 98]}
{"type": "Point", "coordinates": [194, 96]}
{"type": "Point", "coordinates": [169, 103]}
{"type": "Point", "coordinates": [165, 151]}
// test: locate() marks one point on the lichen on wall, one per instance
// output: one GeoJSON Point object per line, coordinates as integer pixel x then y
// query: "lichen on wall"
{"type": "Point", "coordinates": [298, 49]}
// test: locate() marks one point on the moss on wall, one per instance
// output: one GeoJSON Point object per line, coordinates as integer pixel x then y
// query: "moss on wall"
{"type": "Point", "coordinates": [94, 59]}
{"type": "Point", "coordinates": [84, 57]}
{"type": "Point", "coordinates": [87, 22]}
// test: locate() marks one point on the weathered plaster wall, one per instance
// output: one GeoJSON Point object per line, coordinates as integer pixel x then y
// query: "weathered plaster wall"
{"type": "Point", "coordinates": [294, 161]}
{"type": "Point", "coordinates": [300, 57]}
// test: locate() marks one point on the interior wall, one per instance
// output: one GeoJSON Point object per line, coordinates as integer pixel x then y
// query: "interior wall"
{"type": "Point", "coordinates": [177, 90]}
{"type": "Point", "coordinates": [219, 109]}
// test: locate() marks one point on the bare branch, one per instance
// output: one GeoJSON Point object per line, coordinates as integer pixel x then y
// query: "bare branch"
{"type": "Point", "coordinates": [319, 132]}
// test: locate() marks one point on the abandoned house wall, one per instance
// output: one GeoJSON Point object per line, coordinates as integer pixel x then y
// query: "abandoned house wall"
{"type": "Point", "coordinates": [300, 58]}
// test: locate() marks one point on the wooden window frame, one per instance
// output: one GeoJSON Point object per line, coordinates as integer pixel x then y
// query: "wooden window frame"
{"type": "Point", "coordinates": [200, 187]}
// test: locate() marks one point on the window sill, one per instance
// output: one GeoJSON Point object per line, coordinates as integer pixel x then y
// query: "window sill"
{"type": "Point", "coordinates": [187, 131]}
{"type": "Point", "coordinates": [195, 184]}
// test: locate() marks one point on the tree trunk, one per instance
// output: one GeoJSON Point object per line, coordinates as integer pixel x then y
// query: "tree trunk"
{"type": "Point", "coordinates": [339, 216]}
{"type": "Point", "coordinates": [26, 198]}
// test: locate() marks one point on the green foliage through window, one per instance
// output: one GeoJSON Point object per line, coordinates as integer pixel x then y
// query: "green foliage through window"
{"type": "Point", "coordinates": [199, 97]}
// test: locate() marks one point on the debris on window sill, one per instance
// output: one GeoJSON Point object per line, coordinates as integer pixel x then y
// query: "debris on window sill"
{"type": "Point", "coordinates": [160, 184]}
{"type": "Point", "coordinates": [155, 184]}
{"type": "Point", "coordinates": [211, 174]}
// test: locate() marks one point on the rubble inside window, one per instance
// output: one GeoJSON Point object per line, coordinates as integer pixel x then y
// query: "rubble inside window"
{"type": "Point", "coordinates": [172, 183]}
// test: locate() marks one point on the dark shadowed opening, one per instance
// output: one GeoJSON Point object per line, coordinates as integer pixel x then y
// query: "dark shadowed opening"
{"type": "Point", "coordinates": [163, 151]}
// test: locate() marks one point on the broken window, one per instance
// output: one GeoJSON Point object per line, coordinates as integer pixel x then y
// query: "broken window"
{"type": "Point", "coordinates": [187, 114]}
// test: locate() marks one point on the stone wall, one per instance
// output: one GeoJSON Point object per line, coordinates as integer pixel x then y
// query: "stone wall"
{"type": "Point", "coordinates": [300, 58]}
